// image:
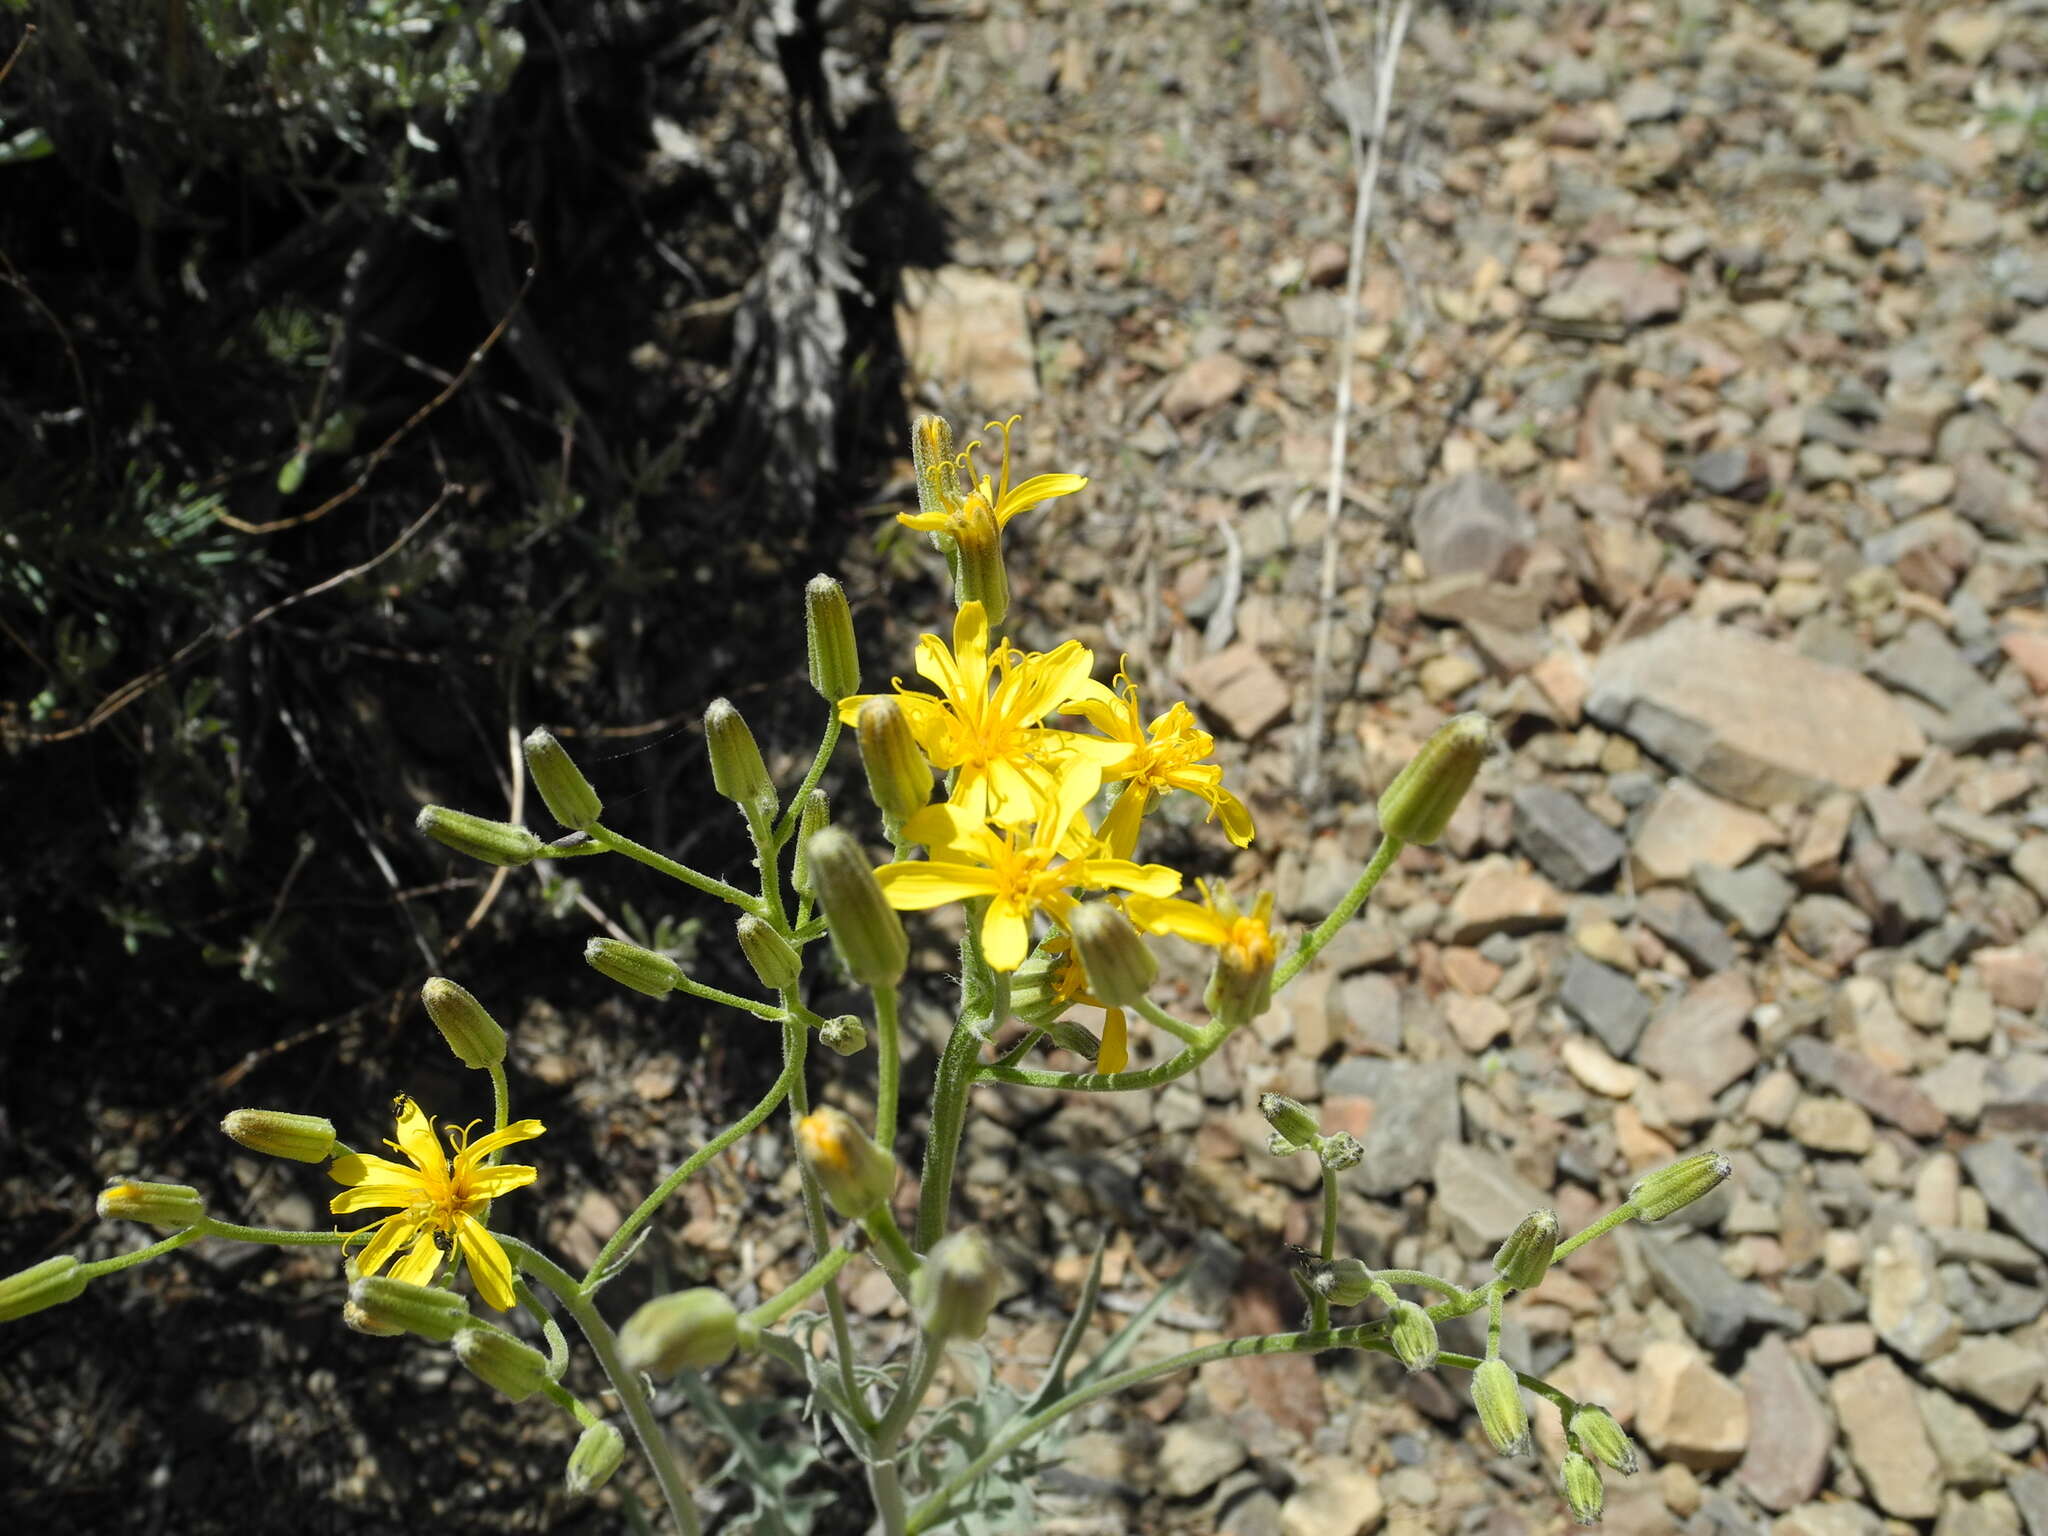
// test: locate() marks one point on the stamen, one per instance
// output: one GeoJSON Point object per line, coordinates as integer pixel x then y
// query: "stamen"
{"type": "Point", "coordinates": [1004, 427]}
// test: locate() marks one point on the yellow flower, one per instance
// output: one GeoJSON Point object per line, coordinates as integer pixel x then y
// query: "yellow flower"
{"type": "Point", "coordinates": [1242, 940]}
{"type": "Point", "coordinates": [1003, 500]}
{"type": "Point", "coordinates": [1166, 755]}
{"type": "Point", "coordinates": [985, 720]}
{"type": "Point", "coordinates": [1070, 985]}
{"type": "Point", "coordinates": [1020, 872]}
{"type": "Point", "coordinates": [439, 1202]}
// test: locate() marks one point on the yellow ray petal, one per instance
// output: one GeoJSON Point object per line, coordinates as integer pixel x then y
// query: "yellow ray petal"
{"type": "Point", "coordinates": [420, 1263]}
{"type": "Point", "coordinates": [916, 885]}
{"type": "Point", "coordinates": [489, 1269]}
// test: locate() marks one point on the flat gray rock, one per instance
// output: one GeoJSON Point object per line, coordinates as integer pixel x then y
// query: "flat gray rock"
{"type": "Point", "coordinates": [1752, 720]}
{"type": "Point", "coordinates": [1699, 1039]}
{"type": "Point", "coordinates": [1754, 898]}
{"type": "Point", "coordinates": [1605, 1002]}
{"type": "Point", "coordinates": [1571, 845]}
{"type": "Point", "coordinates": [1676, 916]}
{"type": "Point", "coordinates": [1470, 522]}
{"type": "Point", "coordinates": [1791, 1430]}
{"type": "Point", "coordinates": [1415, 1111]}
{"type": "Point", "coordinates": [2013, 1188]}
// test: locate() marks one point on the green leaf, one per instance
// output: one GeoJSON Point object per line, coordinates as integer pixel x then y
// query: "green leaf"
{"type": "Point", "coordinates": [29, 144]}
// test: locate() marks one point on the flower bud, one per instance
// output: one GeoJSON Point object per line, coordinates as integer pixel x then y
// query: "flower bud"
{"type": "Point", "coordinates": [1118, 963]}
{"type": "Point", "coordinates": [1035, 990]}
{"type": "Point", "coordinates": [1498, 1397]}
{"type": "Point", "coordinates": [631, 966]}
{"type": "Point", "coordinates": [1524, 1259]}
{"type": "Point", "coordinates": [1413, 1335]}
{"type": "Point", "coordinates": [737, 771]}
{"type": "Point", "coordinates": [980, 576]}
{"type": "Point", "coordinates": [48, 1284]}
{"type": "Point", "coordinates": [356, 1320]}
{"type": "Point", "coordinates": [498, 1360]}
{"type": "Point", "coordinates": [599, 1450]}
{"type": "Point", "coordinates": [843, 1036]}
{"type": "Point", "coordinates": [1657, 1195]}
{"type": "Point", "coordinates": [1293, 1126]}
{"type": "Point", "coordinates": [172, 1206]}
{"type": "Point", "coordinates": [1241, 982]}
{"type": "Point", "coordinates": [931, 460]}
{"type": "Point", "coordinates": [1343, 1282]}
{"type": "Point", "coordinates": [1078, 1038]}
{"type": "Point", "coordinates": [899, 778]}
{"type": "Point", "coordinates": [686, 1330]}
{"type": "Point", "coordinates": [278, 1133]}
{"type": "Point", "coordinates": [768, 952]}
{"type": "Point", "coordinates": [1595, 1428]}
{"type": "Point", "coordinates": [472, 1034]}
{"type": "Point", "coordinates": [813, 820]}
{"type": "Point", "coordinates": [1340, 1150]}
{"type": "Point", "coordinates": [1419, 804]}
{"type": "Point", "coordinates": [1582, 1488]}
{"type": "Point", "coordinates": [563, 789]}
{"type": "Point", "coordinates": [494, 842]}
{"type": "Point", "coordinates": [426, 1310]}
{"type": "Point", "coordinates": [955, 1290]}
{"type": "Point", "coordinates": [865, 928]}
{"type": "Point", "coordinates": [828, 638]}
{"type": "Point", "coordinates": [855, 1174]}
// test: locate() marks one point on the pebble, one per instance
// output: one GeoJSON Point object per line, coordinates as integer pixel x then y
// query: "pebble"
{"type": "Point", "coordinates": [1604, 1001]}
{"type": "Point", "coordinates": [1791, 1430]}
{"type": "Point", "coordinates": [1698, 1039]}
{"type": "Point", "coordinates": [1412, 1110]}
{"type": "Point", "coordinates": [1687, 1411]}
{"type": "Point", "coordinates": [1754, 897]}
{"type": "Point", "coordinates": [1831, 1125]}
{"type": "Point", "coordinates": [1686, 828]}
{"type": "Point", "coordinates": [1875, 1404]}
{"type": "Point", "coordinates": [1571, 845]}
{"type": "Point", "coordinates": [1333, 1498]}
{"type": "Point", "coordinates": [2013, 1188]}
{"type": "Point", "coordinates": [1196, 1454]}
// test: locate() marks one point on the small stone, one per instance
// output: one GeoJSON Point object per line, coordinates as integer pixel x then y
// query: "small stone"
{"type": "Point", "coordinates": [1741, 472]}
{"type": "Point", "coordinates": [1772, 1100]}
{"type": "Point", "coordinates": [1203, 385]}
{"type": "Point", "coordinates": [1906, 1298]}
{"type": "Point", "coordinates": [1790, 1429]}
{"type": "Point", "coordinates": [1886, 1095]}
{"type": "Point", "coordinates": [1888, 1442]}
{"type": "Point", "coordinates": [1498, 897]}
{"type": "Point", "coordinates": [2013, 1188]}
{"type": "Point", "coordinates": [1831, 930]}
{"type": "Point", "coordinates": [1687, 827]}
{"type": "Point", "coordinates": [1571, 845]}
{"type": "Point", "coordinates": [1482, 1197]}
{"type": "Point", "coordinates": [1605, 1002]}
{"type": "Point", "coordinates": [1686, 1410]}
{"type": "Point", "coordinates": [1196, 1455]}
{"type": "Point", "coordinates": [1754, 897]}
{"type": "Point", "coordinates": [1833, 1344]}
{"type": "Point", "coordinates": [1476, 1021]}
{"type": "Point", "coordinates": [1699, 1039]}
{"type": "Point", "coordinates": [1822, 27]}
{"type": "Point", "coordinates": [1237, 687]}
{"type": "Point", "coordinates": [2029, 1490]}
{"type": "Point", "coordinates": [1617, 291]}
{"type": "Point", "coordinates": [970, 331]}
{"type": "Point", "coordinates": [1832, 1125]}
{"type": "Point", "coordinates": [1598, 1070]}
{"type": "Point", "coordinates": [1648, 101]}
{"type": "Point", "coordinates": [1409, 1109]}
{"type": "Point", "coordinates": [1470, 522]}
{"type": "Point", "coordinates": [1937, 1191]}
{"type": "Point", "coordinates": [2016, 978]}
{"type": "Point", "coordinates": [1689, 1275]}
{"type": "Point", "coordinates": [2000, 1371]}
{"type": "Point", "coordinates": [1961, 1443]}
{"type": "Point", "coordinates": [1968, 35]}
{"type": "Point", "coordinates": [1831, 1519]}
{"type": "Point", "coordinates": [1333, 1498]}
{"type": "Point", "coordinates": [2030, 860]}
{"type": "Point", "coordinates": [1677, 917]}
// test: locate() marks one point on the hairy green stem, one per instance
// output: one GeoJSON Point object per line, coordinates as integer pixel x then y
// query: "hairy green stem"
{"type": "Point", "coordinates": [675, 1181]}
{"type": "Point", "coordinates": [158, 1249]}
{"type": "Point", "coordinates": [888, 1067]}
{"type": "Point", "coordinates": [1600, 1228]}
{"type": "Point", "coordinates": [550, 1330]}
{"type": "Point", "coordinates": [1312, 943]}
{"type": "Point", "coordinates": [579, 1304]}
{"type": "Point", "coordinates": [925, 1360]}
{"type": "Point", "coordinates": [959, 1064]}
{"type": "Point", "coordinates": [213, 1226]}
{"type": "Point", "coordinates": [1179, 1065]}
{"type": "Point", "coordinates": [1180, 1029]}
{"type": "Point", "coordinates": [1458, 1293]}
{"type": "Point", "coordinates": [1318, 1303]}
{"type": "Point", "coordinates": [786, 828]}
{"type": "Point", "coordinates": [619, 843]}
{"type": "Point", "coordinates": [759, 1010]}
{"type": "Point", "coordinates": [795, 1042]}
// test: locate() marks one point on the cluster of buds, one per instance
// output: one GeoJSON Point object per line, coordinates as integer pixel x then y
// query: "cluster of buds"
{"type": "Point", "coordinates": [1295, 1129]}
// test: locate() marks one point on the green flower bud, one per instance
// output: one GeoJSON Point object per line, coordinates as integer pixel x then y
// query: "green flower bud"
{"type": "Point", "coordinates": [357, 1320]}
{"type": "Point", "coordinates": [472, 1034]}
{"type": "Point", "coordinates": [931, 460]}
{"type": "Point", "coordinates": [1524, 1259]}
{"type": "Point", "coordinates": [1120, 966]}
{"type": "Point", "coordinates": [865, 928]}
{"type": "Point", "coordinates": [955, 1290]}
{"type": "Point", "coordinates": [1078, 1038]}
{"type": "Point", "coordinates": [563, 789]}
{"type": "Point", "coordinates": [1498, 1397]}
{"type": "Point", "coordinates": [1339, 1151]}
{"type": "Point", "coordinates": [1413, 1335]}
{"type": "Point", "coordinates": [1034, 989]}
{"type": "Point", "coordinates": [631, 966]}
{"type": "Point", "coordinates": [844, 1036]}
{"type": "Point", "coordinates": [828, 637]}
{"type": "Point", "coordinates": [1419, 804]}
{"type": "Point", "coordinates": [1241, 981]}
{"type": "Point", "coordinates": [1657, 1195]}
{"type": "Point", "coordinates": [855, 1174]}
{"type": "Point", "coordinates": [686, 1330]}
{"type": "Point", "coordinates": [494, 842]}
{"type": "Point", "coordinates": [278, 1133]}
{"type": "Point", "coordinates": [48, 1284]}
{"type": "Point", "coordinates": [426, 1310]}
{"type": "Point", "coordinates": [171, 1206]}
{"type": "Point", "coordinates": [1582, 1488]}
{"type": "Point", "coordinates": [1343, 1282]}
{"type": "Point", "coordinates": [979, 573]}
{"type": "Point", "coordinates": [816, 814]}
{"type": "Point", "coordinates": [1595, 1428]}
{"type": "Point", "coordinates": [899, 778]}
{"type": "Point", "coordinates": [498, 1360]}
{"type": "Point", "coordinates": [769, 953]}
{"type": "Point", "coordinates": [599, 1450]}
{"type": "Point", "coordinates": [737, 771]}
{"type": "Point", "coordinates": [1293, 1126]}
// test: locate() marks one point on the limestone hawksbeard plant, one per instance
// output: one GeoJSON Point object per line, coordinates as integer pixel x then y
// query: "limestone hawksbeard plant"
{"type": "Point", "coordinates": [1016, 786]}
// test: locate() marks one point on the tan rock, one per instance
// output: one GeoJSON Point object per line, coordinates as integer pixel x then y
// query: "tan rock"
{"type": "Point", "coordinates": [1688, 1411]}
{"type": "Point", "coordinates": [1688, 826]}
{"type": "Point", "coordinates": [1476, 1021]}
{"type": "Point", "coordinates": [1880, 1416]}
{"type": "Point", "coordinates": [969, 331]}
{"type": "Point", "coordinates": [1598, 1070]}
{"type": "Point", "coordinates": [1333, 1498]}
{"type": "Point", "coordinates": [1501, 896]}
{"type": "Point", "coordinates": [1239, 689]}
{"type": "Point", "coordinates": [1203, 385]}
{"type": "Point", "coordinates": [1831, 1125]}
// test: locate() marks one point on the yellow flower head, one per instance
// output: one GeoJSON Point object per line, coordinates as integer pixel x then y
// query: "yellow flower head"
{"type": "Point", "coordinates": [1070, 985]}
{"type": "Point", "coordinates": [986, 719]}
{"type": "Point", "coordinates": [1021, 872]}
{"type": "Point", "coordinates": [1164, 755]}
{"type": "Point", "coordinates": [1242, 940]}
{"type": "Point", "coordinates": [440, 1201]}
{"type": "Point", "coordinates": [1002, 500]}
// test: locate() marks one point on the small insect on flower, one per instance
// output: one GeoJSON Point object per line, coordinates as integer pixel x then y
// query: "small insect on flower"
{"type": "Point", "coordinates": [440, 1201]}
